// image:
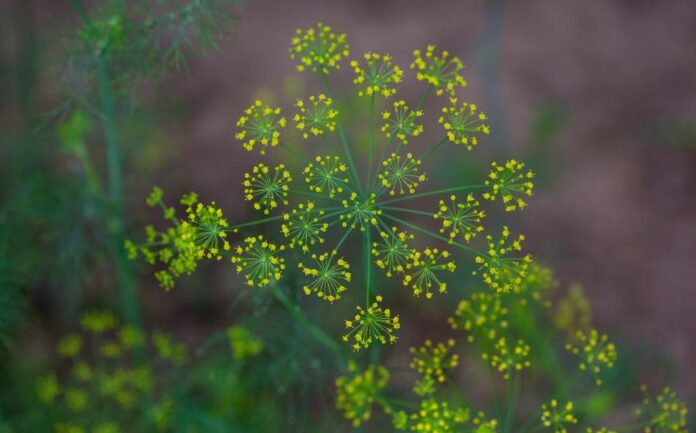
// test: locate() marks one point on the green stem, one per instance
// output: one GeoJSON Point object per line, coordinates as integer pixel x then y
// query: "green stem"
{"type": "Point", "coordinates": [372, 141]}
{"type": "Point", "coordinates": [342, 135]}
{"type": "Point", "coordinates": [129, 300]}
{"type": "Point", "coordinates": [367, 251]}
{"type": "Point", "coordinates": [432, 149]}
{"type": "Point", "coordinates": [255, 222]}
{"type": "Point", "coordinates": [513, 387]}
{"type": "Point", "coordinates": [294, 153]}
{"type": "Point", "coordinates": [411, 211]}
{"type": "Point", "coordinates": [431, 193]}
{"type": "Point", "coordinates": [295, 312]}
{"type": "Point", "coordinates": [435, 235]}
{"type": "Point", "coordinates": [424, 97]}
{"type": "Point", "coordinates": [343, 239]}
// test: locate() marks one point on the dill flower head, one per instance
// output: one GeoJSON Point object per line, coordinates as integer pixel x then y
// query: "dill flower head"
{"type": "Point", "coordinates": [402, 176]}
{"type": "Point", "coordinates": [573, 312]}
{"type": "Point", "coordinates": [392, 251]}
{"type": "Point", "coordinates": [536, 285]}
{"type": "Point", "coordinates": [442, 71]}
{"type": "Point", "coordinates": [372, 325]}
{"type": "Point", "coordinates": [510, 183]}
{"type": "Point", "coordinates": [402, 123]}
{"type": "Point", "coordinates": [260, 126]}
{"type": "Point", "coordinates": [434, 416]}
{"type": "Point", "coordinates": [424, 269]}
{"type": "Point", "coordinates": [319, 49]}
{"type": "Point", "coordinates": [304, 226]}
{"type": "Point", "coordinates": [267, 189]}
{"type": "Point", "coordinates": [482, 316]}
{"type": "Point", "coordinates": [329, 275]}
{"type": "Point", "coordinates": [317, 117]}
{"type": "Point", "coordinates": [596, 352]}
{"type": "Point", "coordinates": [460, 218]}
{"type": "Point", "coordinates": [558, 416]}
{"type": "Point", "coordinates": [378, 76]}
{"type": "Point", "coordinates": [326, 175]}
{"type": "Point", "coordinates": [259, 261]}
{"type": "Point", "coordinates": [360, 213]}
{"type": "Point", "coordinates": [508, 358]}
{"type": "Point", "coordinates": [209, 235]}
{"type": "Point", "coordinates": [463, 124]}
{"type": "Point", "coordinates": [431, 361]}
{"type": "Point", "coordinates": [70, 346]}
{"type": "Point", "coordinates": [664, 414]}
{"type": "Point", "coordinates": [500, 271]}
{"type": "Point", "coordinates": [243, 343]}
{"type": "Point", "coordinates": [98, 321]}
{"type": "Point", "coordinates": [359, 390]}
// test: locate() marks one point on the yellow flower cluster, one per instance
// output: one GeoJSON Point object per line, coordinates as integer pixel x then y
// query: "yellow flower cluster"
{"type": "Point", "coordinates": [359, 213]}
{"type": "Point", "coordinates": [558, 416]}
{"type": "Point", "coordinates": [317, 117]}
{"type": "Point", "coordinates": [266, 190]}
{"type": "Point", "coordinates": [379, 75]}
{"type": "Point", "coordinates": [392, 251]}
{"type": "Point", "coordinates": [329, 276]}
{"type": "Point", "coordinates": [425, 266]}
{"type": "Point", "coordinates": [260, 126]}
{"type": "Point", "coordinates": [596, 352]}
{"type": "Point", "coordinates": [460, 217]}
{"type": "Point", "coordinates": [402, 176]}
{"type": "Point", "coordinates": [403, 123]}
{"type": "Point", "coordinates": [259, 260]}
{"type": "Point", "coordinates": [326, 175]}
{"type": "Point", "coordinates": [500, 271]}
{"type": "Point", "coordinates": [441, 71]}
{"type": "Point", "coordinates": [358, 391]}
{"type": "Point", "coordinates": [373, 324]}
{"type": "Point", "coordinates": [433, 416]}
{"type": "Point", "coordinates": [482, 317]}
{"type": "Point", "coordinates": [319, 49]}
{"type": "Point", "coordinates": [243, 343]}
{"type": "Point", "coordinates": [508, 358]}
{"type": "Point", "coordinates": [573, 312]}
{"type": "Point", "coordinates": [431, 361]}
{"type": "Point", "coordinates": [462, 124]}
{"type": "Point", "coordinates": [304, 226]}
{"type": "Point", "coordinates": [510, 183]}
{"type": "Point", "coordinates": [665, 413]}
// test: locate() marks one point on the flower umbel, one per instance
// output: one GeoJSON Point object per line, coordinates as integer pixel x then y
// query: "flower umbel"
{"type": "Point", "coordinates": [402, 176]}
{"type": "Point", "coordinates": [440, 71]}
{"type": "Point", "coordinates": [319, 49]}
{"type": "Point", "coordinates": [379, 75]}
{"type": "Point", "coordinates": [463, 124]}
{"type": "Point", "coordinates": [259, 260]}
{"type": "Point", "coordinates": [317, 117]}
{"type": "Point", "coordinates": [557, 416]}
{"type": "Point", "coordinates": [431, 361]}
{"type": "Point", "coordinates": [482, 316]}
{"type": "Point", "coordinates": [304, 226]}
{"type": "Point", "coordinates": [329, 276]}
{"type": "Point", "coordinates": [372, 325]}
{"type": "Point", "coordinates": [402, 123]}
{"type": "Point", "coordinates": [266, 190]}
{"type": "Point", "coordinates": [392, 251]}
{"type": "Point", "coordinates": [510, 183]}
{"type": "Point", "coordinates": [358, 391]}
{"type": "Point", "coordinates": [260, 126]}
{"type": "Point", "coordinates": [425, 266]}
{"type": "Point", "coordinates": [500, 271]}
{"type": "Point", "coordinates": [665, 414]}
{"type": "Point", "coordinates": [596, 352]}
{"type": "Point", "coordinates": [507, 358]}
{"type": "Point", "coordinates": [326, 175]}
{"type": "Point", "coordinates": [460, 218]}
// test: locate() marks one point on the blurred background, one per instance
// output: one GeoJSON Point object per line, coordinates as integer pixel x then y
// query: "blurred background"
{"type": "Point", "coordinates": [598, 97]}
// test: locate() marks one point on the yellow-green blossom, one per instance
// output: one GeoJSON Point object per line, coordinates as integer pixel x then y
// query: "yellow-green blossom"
{"type": "Point", "coordinates": [442, 71]}
{"type": "Point", "coordinates": [319, 49]}
{"type": "Point", "coordinates": [360, 213]}
{"type": "Point", "coordinates": [596, 352]}
{"type": "Point", "coordinates": [432, 361]}
{"type": "Point", "coordinates": [359, 390]}
{"type": "Point", "coordinates": [70, 346]}
{"type": "Point", "coordinates": [558, 416]}
{"type": "Point", "coordinates": [326, 175]}
{"type": "Point", "coordinates": [460, 218]}
{"type": "Point", "coordinates": [267, 190]}
{"type": "Point", "coordinates": [433, 416]}
{"type": "Point", "coordinates": [664, 414]}
{"type": "Point", "coordinates": [392, 252]}
{"type": "Point", "coordinates": [574, 311]}
{"type": "Point", "coordinates": [402, 176]}
{"type": "Point", "coordinates": [98, 321]}
{"type": "Point", "coordinates": [507, 357]}
{"type": "Point", "coordinates": [260, 126]}
{"type": "Point", "coordinates": [48, 388]}
{"type": "Point", "coordinates": [463, 124]}
{"type": "Point", "coordinates": [402, 123]}
{"type": "Point", "coordinates": [372, 325]}
{"type": "Point", "coordinates": [499, 270]}
{"type": "Point", "coordinates": [329, 275]}
{"type": "Point", "coordinates": [243, 343]}
{"type": "Point", "coordinates": [304, 226]}
{"type": "Point", "coordinates": [259, 261]}
{"type": "Point", "coordinates": [378, 76]}
{"type": "Point", "coordinates": [511, 183]}
{"type": "Point", "coordinates": [424, 269]}
{"type": "Point", "coordinates": [482, 316]}
{"type": "Point", "coordinates": [317, 117]}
